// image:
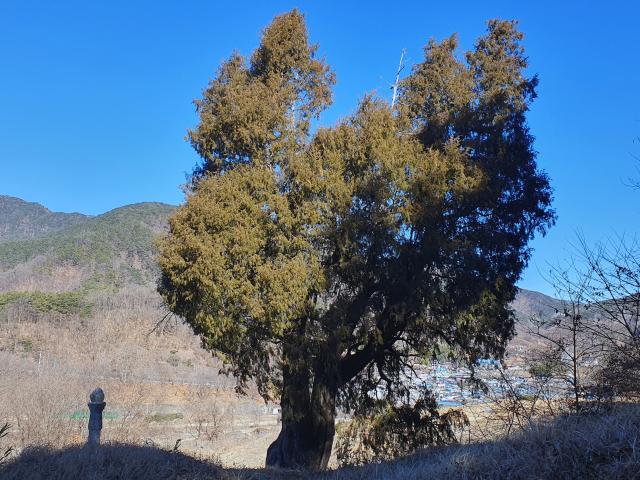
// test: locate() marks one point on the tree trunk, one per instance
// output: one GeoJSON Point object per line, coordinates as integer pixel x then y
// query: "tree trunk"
{"type": "Point", "coordinates": [306, 438]}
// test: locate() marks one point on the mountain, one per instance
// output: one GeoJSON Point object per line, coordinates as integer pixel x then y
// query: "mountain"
{"type": "Point", "coordinates": [110, 250]}
{"type": "Point", "coordinates": [528, 304]}
{"type": "Point", "coordinates": [41, 250]}
{"type": "Point", "coordinates": [20, 220]}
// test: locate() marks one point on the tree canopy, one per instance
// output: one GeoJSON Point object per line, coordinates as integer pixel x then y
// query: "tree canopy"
{"type": "Point", "coordinates": [318, 261]}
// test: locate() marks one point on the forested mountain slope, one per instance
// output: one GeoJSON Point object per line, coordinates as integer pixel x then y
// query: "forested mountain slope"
{"type": "Point", "coordinates": [20, 220]}
{"type": "Point", "coordinates": [109, 250]}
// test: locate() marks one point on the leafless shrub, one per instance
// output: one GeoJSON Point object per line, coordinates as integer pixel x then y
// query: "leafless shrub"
{"type": "Point", "coordinates": [4, 430]}
{"type": "Point", "coordinates": [206, 414]}
{"type": "Point", "coordinates": [49, 367]}
{"type": "Point", "coordinates": [40, 409]}
{"type": "Point", "coordinates": [592, 340]}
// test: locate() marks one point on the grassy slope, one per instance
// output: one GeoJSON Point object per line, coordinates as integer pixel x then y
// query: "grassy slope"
{"type": "Point", "coordinates": [20, 220]}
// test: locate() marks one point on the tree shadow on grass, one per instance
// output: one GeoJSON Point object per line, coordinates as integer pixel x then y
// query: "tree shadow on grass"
{"type": "Point", "coordinates": [107, 462]}
{"type": "Point", "coordinates": [595, 445]}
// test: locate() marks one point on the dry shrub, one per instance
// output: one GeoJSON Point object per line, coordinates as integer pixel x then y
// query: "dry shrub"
{"type": "Point", "coordinates": [30, 277]}
{"type": "Point", "coordinates": [509, 409]}
{"type": "Point", "coordinates": [39, 407]}
{"type": "Point", "coordinates": [567, 447]}
{"type": "Point", "coordinates": [619, 375]}
{"type": "Point", "coordinates": [208, 413]}
{"type": "Point", "coordinates": [5, 451]}
{"type": "Point", "coordinates": [51, 408]}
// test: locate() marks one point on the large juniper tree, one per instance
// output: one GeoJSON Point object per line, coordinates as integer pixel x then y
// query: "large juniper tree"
{"type": "Point", "coordinates": [316, 263]}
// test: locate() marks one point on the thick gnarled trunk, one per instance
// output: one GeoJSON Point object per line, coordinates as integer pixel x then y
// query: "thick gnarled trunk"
{"type": "Point", "coordinates": [308, 427]}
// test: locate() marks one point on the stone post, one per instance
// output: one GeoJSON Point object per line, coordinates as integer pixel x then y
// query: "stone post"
{"type": "Point", "coordinates": [96, 406]}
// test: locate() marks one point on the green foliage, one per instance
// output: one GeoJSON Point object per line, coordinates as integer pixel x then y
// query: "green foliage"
{"type": "Point", "coordinates": [173, 360]}
{"type": "Point", "coordinates": [84, 415]}
{"type": "Point", "coordinates": [438, 351]}
{"type": "Point", "coordinates": [27, 344]}
{"type": "Point", "coordinates": [133, 274]}
{"type": "Point", "coordinates": [45, 269]}
{"type": "Point", "coordinates": [317, 262]}
{"type": "Point", "coordinates": [546, 369]}
{"type": "Point", "coordinates": [21, 220]}
{"type": "Point", "coordinates": [63, 303]}
{"type": "Point", "coordinates": [165, 417]}
{"type": "Point", "coordinates": [12, 297]}
{"type": "Point", "coordinates": [104, 279]}
{"type": "Point", "coordinates": [87, 311]}
{"type": "Point", "coordinates": [260, 109]}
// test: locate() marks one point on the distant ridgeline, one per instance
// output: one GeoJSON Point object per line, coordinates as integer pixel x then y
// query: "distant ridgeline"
{"type": "Point", "coordinates": [108, 251]}
{"type": "Point", "coordinates": [20, 220]}
{"type": "Point", "coordinates": [111, 250]}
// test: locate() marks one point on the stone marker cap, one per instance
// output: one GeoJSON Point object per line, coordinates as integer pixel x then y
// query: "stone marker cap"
{"type": "Point", "coordinates": [97, 395]}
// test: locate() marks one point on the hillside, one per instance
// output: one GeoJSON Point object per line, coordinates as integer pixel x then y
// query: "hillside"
{"type": "Point", "coordinates": [20, 220]}
{"type": "Point", "coordinates": [529, 303]}
{"type": "Point", "coordinates": [64, 252]}
{"type": "Point", "coordinates": [110, 250]}
{"type": "Point", "coordinates": [60, 252]}
{"type": "Point", "coordinates": [78, 309]}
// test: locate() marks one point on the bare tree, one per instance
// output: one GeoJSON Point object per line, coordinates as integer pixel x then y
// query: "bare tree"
{"type": "Point", "coordinates": [571, 350]}
{"type": "Point", "coordinates": [592, 341]}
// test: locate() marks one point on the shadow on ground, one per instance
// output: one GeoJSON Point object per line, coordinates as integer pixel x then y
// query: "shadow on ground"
{"type": "Point", "coordinates": [600, 445]}
{"type": "Point", "coordinates": [106, 462]}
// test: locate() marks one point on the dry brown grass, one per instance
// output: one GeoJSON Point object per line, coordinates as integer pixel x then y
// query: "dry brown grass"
{"type": "Point", "coordinates": [216, 424]}
{"type": "Point", "coordinates": [40, 409]}
{"type": "Point", "coordinates": [601, 446]}
{"type": "Point", "coordinates": [117, 350]}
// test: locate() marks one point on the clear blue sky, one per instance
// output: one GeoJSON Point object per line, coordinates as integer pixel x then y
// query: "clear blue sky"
{"type": "Point", "coordinates": [95, 97]}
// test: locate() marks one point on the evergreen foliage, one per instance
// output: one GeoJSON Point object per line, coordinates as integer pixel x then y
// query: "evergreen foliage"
{"type": "Point", "coordinates": [397, 430]}
{"type": "Point", "coordinates": [318, 263]}
{"type": "Point", "coordinates": [20, 220]}
{"type": "Point", "coordinates": [65, 303]}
